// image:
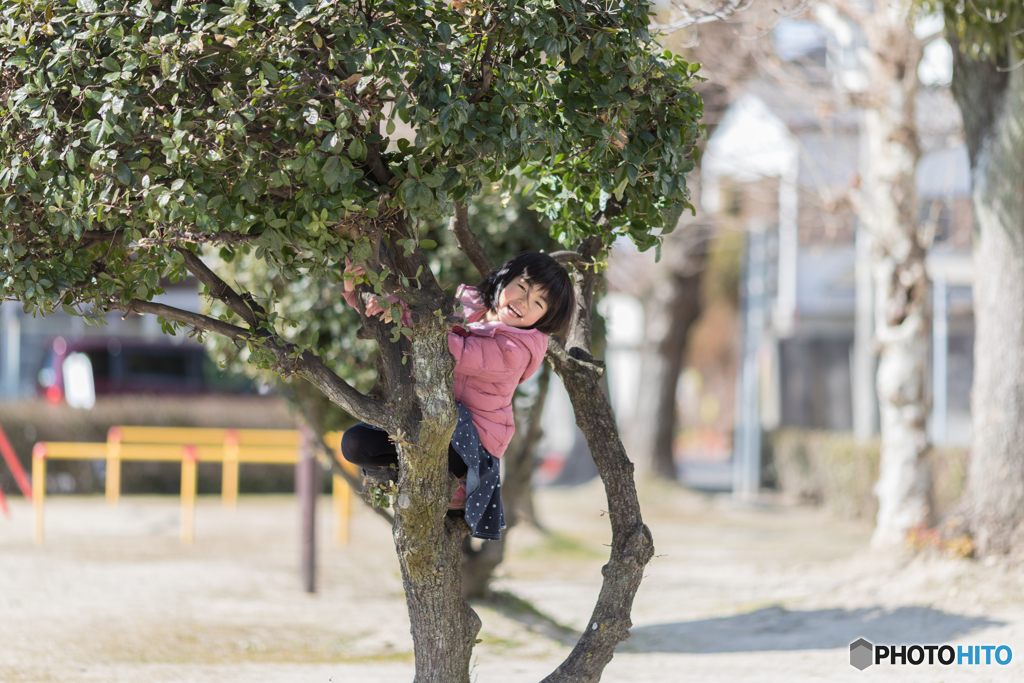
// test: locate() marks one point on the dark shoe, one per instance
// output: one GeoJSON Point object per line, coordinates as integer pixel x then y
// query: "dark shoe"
{"type": "Point", "coordinates": [379, 475]}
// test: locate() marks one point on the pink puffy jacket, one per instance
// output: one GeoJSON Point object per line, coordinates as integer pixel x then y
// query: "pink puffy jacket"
{"type": "Point", "coordinates": [491, 360]}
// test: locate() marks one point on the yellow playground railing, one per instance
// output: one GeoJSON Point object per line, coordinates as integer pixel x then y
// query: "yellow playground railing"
{"type": "Point", "coordinates": [230, 447]}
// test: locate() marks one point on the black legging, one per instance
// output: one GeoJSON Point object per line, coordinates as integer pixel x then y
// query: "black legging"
{"type": "Point", "coordinates": [368, 447]}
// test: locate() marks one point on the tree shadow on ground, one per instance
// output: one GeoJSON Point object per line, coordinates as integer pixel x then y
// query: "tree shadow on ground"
{"type": "Point", "coordinates": [532, 619]}
{"type": "Point", "coordinates": [776, 628]}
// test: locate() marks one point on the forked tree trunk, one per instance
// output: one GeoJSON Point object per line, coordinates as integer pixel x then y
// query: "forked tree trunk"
{"type": "Point", "coordinates": [444, 627]}
{"type": "Point", "coordinates": [903, 319]}
{"type": "Point", "coordinates": [992, 103]}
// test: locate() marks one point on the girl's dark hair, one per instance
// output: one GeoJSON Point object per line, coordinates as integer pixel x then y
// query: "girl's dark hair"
{"type": "Point", "coordinates": [541, 271]}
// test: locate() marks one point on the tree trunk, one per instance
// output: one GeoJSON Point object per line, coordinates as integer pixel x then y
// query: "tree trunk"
{"type": "Point", "coordinates": [672, 305]}
{"type": "Point", "coordinates": [903, 322]}
{"type": "Point", "coordinates": [444, 627]}
{"type": "Point", "coordinates": [632, 544]}
{"type": "Point", "coordinates": [993, 106]}
{"type": "Point", "coordinates": [684, 309]}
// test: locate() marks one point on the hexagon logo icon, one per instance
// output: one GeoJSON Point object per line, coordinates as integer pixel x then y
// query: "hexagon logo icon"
{"type": "Point", "coordinates": [861, 652]}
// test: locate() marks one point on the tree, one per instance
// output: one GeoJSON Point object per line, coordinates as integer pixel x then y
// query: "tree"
{"type": "Point", "coordinates": [671, 292]}
{"type": "Point", "coordinates": [888, 206]}
{"type": "Point", "coordinates": [505, 227]}
{"type": "Point", "coordinates": [988, 84]}
{"type": "Point", "coordinates": [137, 136]}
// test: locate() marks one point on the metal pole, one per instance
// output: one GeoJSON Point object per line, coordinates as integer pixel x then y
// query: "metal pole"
{"type": "Point", "coordinates": [865, 396]}
{"type": "Point", "coordinates": [940, 360]}
{"type": "Point", "coordinates": [12, 350]}
{"type": "Point", "coordinates": [306, 483]}
{"type": "Point", "coordinates": [747, 449]}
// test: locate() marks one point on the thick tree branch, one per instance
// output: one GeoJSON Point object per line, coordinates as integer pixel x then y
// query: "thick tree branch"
{"type": "Point", "coordinates": [468, 243]}
{"type": "Point", "coordinates": [569, 258]}
{"type": "Point", "coordinates": [381, 173]}
{"type": "Point", "coordinates": [220, 290]}
{"type": "Point", "coordinates": [196, 320]}
{"type": "Point", "coordinates": [632, 545]}
{"type": "Point", "coordinates": [488, 73]}
{"type": "Point", "coordinates": [90, 238]}
{"type": "Point", "coordinates": [578, 342]}
{"type": "Point", "coordinates": [289, 361]}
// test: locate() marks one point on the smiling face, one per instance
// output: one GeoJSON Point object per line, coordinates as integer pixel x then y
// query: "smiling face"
{"type": "Point", "coordinates": [521, 304]}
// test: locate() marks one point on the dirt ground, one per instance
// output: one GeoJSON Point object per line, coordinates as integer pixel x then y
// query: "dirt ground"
{"type": "Point", "coordinates": [766, 593]}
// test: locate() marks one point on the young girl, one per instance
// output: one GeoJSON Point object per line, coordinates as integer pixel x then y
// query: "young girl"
{"type": "Point", "coordinates": [509, 316]}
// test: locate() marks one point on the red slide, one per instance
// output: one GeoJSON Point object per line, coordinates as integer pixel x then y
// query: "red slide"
{"type": "Point", "coordinates": [16, 469]}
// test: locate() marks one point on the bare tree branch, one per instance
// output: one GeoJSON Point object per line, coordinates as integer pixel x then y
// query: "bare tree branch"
{"type": "Point", "coordinates": [220, 290]}
{"type": "Point", "coordinates": [569, 258]}
{"type": "Point", "coordinates": [851, 12]}
{"type": "Point", "coordinates": [713, 10]}
{"type": "Point", "coordinates": [468, 243]}
{"type": "Point", "coordinates": [196, 320]}
{"type": "Point", "coordinates": [289, 359]}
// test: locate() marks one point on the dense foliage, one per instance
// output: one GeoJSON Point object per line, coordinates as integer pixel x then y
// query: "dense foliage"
{"type": "Point", "coordinates": [129, 129]}
{"type": "Point", "coordinates": [505, 227]}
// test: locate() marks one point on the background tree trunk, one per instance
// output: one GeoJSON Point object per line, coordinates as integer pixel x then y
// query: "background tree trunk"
{"type": "Point", "coordinates": [903, 319]}
{"type": "Point", "coordinates": [992, 103]}
{"type": "Point", "coordinates": [671, 299]}
{"type": "Point", "coordinates": [670, 308]}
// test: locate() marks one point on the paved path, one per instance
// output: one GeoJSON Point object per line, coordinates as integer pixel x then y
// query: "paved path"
{"type": "Point", "coordinates": [766, 594]}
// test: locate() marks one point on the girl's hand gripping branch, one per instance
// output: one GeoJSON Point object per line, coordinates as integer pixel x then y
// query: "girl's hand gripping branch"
{"type": "Point", "coordinates": [373, 307]}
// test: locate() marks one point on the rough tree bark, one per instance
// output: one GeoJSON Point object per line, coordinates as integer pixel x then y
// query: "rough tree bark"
{"type": "Point", "coordinates": [992, 103]}
{"type": "Point", "coordinates": [632, 543]}
{"type": "Point", "coordinates": [889, 209]}
{"type": "Point", "coordinates": [444, 627]}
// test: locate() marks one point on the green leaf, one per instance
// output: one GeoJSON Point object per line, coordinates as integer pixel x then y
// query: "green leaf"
{"type": "Point", "coordinates": [620, 188]}
{"type": "Point", "coordinates": [357, 149]}
{"type": "Point", "coordinates": [123, 173]}
{"type": "Point", "coordinates": [428, 244]}
{"type": "Point", "coordinates": [423, 196]}
{"type": "Point", "coordinates": [332, 171]}
{"type": "Point", "coordinates": [269, 71]}
{"type": "Point", "coordinates": [578, 53]}
{"type": "Point", "coordinates": [110, 64]}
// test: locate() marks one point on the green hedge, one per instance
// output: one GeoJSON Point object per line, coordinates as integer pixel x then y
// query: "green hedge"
{"type": "Point", "coordinates": [835, 470]}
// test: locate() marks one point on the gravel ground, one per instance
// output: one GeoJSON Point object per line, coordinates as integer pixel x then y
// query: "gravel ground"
{"type": "Point", "coordinates": [765, 593]}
